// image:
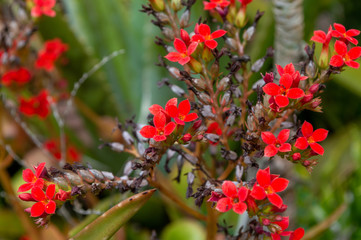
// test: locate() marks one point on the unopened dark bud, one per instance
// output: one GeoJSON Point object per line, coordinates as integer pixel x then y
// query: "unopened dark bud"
{"type": "Point", "coordinates": [187, 137]}
{"type": "Point", "coordinates": [314, 88]}
{"type": "Point", "coordinates": [296, 156]}
{"type": "Point", "coordinates": [315, 103]}
{"type": "Point", "coordinates": [268, 77]}
{"type": "Point", "coordinates": [184, 20]}
{"type": "Point", "coordinates": [307, 98]}
{"type": "Point", "coordinates": [306, 163]}
{"type": "Point", "coordinates": [196, 125]}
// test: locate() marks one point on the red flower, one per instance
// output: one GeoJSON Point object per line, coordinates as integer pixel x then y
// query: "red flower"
{"type": "Point", "coordinates": [311, 138]}
{"type": "Point", "coordinates": [20, 76]}
{"type": "Point", "coordinates": [276, 144]}
{"type": "Point", "coordinates": [62, 195]}
{"type": "Point", "coordinates": [43, 7]}
{"type": "Point", "coordinates": [297, 234]}
{"type": "Point", "coordinates": [203, 34]}
{"type": "Point", "coordinates": [282, 226]}
{"type": "Point", "coordinates": [38, 105]}
{"type": "Point", "coordinates": [284, 91]}
{"type": "Point", "coordinates": [214, 128]}
{"type": "Point", "coordinates": [183, 54]}
{"type": "Point", "coordinates": [344, 56]}
{"type": "Point", "coordinates": [45, 201]}
{"type": "Point", "coordinates": [161, 130]}
{"type": "Point", "coordinates": [155, 108]}
{"type": "Point", "coordinates": [181, 114]}
{"type": "Point", "coordinates": [33, 180]}
{"type": "Point", "coordinates": [215, 3]}
{"type": "Point", "coordinates": [346, 36]}
{"type": "Point", "coordinates": [322, 37]}
{"type": "Point", "coordinates": [50, 53]}
{"type": "Point", "coordinates": [234, 199]}
{"type": "Point", "coordinates": [185, 37]}
{"type": "Point", "coordinates": [268, 186]}
{"type": "Point", "coordinates": [290, 69]}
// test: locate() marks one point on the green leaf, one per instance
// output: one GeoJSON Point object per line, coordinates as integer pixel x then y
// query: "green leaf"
{"type": "Point", "coordinates": [109, 223]}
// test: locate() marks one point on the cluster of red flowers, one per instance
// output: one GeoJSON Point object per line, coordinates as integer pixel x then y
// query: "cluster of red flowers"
{"type": "Point", "coordinates": [52, 50]}
{"type": "Point", "coordinates": [45, 202]}
{"type": "Point", "coordinates": [256, 200]}
{"type": "Point", "coordinates": [345, 53]}
{"type": "Point", "coordinates": [43, 7]}
{"type": "Point", "coordinates": [163, 126]}
{"type": "Point", "coordinates": [38, 105]}
{"type": "Point", "coordinates": [20, 76]}
{"type": "Point", "coordinates": [72, 154]}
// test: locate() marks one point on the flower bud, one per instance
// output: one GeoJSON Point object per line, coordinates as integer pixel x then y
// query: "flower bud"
{"type": "Point", "coordinates": [168, 33]}
{"type": "Point", "coordinates": [311, 69]}
{"type": "Point", "coordinates": [258, 110]}
{"type": "Point", "coordinates": [198, 83]}
{"type": "Point", "coordinates": [195, 65]}
{"type": "Point", "coordinates": [223, 84]}
{"type": "Point", "coordinates": [314, 88]}
{"type": "Point", "coordinates": [268, 77]}
{"type": "Point", "coordinates": [176, 5]}
{"type": "Point", "coordinates": [184, 20]}
{"type": "Point", "coordinates": [27, 197]}
{"type": "Point", "coordinates": [231, 44]}
{"type": "Point", "coordinates": [248, 34]}
{"type": "Point", "coordinates": [307, 98]}
{"type": "Point", "coordinates": [226, 98]}
{"type": "Point", "coordinates": [204, 98]}
{"type": "Point", "coordinates": [196, 125]}
{"type": "Point", "coordinates": [177, 90]}
{"type": "Point", "coordinates": [266, 222]}
{"type": "Point", "coordinates": [241, 17]}
{"type": "Point", "coordinates": [306, 163]}
{"type": "Point", "coordinates": [174, 72]}
{"type": "Point", "coordinates": [163, 17]}
{"type": "Point", "coordinates": [296, 156]}
{"type": "Point", "coordinates": [187, 137]}
{"type": "Point", "coordinates": [207, 55]}
{"type": "Point", "coordinates": [315, 103]}
{"type": "Point", "coordinates": [256, 67]}
{"type": "Point", "coordinates": [158, 5]}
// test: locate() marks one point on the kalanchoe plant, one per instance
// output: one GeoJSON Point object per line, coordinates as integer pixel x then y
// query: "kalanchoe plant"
{"type": "Point", "coordinates": [228, 140]}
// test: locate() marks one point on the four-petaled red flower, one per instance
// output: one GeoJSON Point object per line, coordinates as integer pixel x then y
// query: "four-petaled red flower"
{"type": "Point", "coordinates": [20, 76]}
{"type": "Point", "coordinates": [283, 91]}
{"type": "Point", "coordinates": [234, 199]}
{"type": "Point", "coordinates": [161, 128]}
{"type": "Point", "coordinates": [43, 7]}
{"type": "Point", "coordinates": [183, 54]}
{"type": "Point", "coordinates": [50, 53]}
{"type": "Point", "coordinates": [45, 201]}
{"type": "Point", "coordinates": [37, 105]}
{"type": "Point", "coordinates": [344, 56]}
{"type": "Point", "coordinates": [311, 138]}
{"type": "Point", "coordinates": [268, 186]}
{"type": "Point", "coordinates": [276, 145]}
{"type": "Point", "coordinates": [203, 34]}
{"type": "Point", "coordinates": [181, 114]}
{"type": "Point", "coordinates": [215, 3]}
{"type": "Point", "coordinates": [31, 179]}
{"type": "Point", "coordinates": [346, 36]}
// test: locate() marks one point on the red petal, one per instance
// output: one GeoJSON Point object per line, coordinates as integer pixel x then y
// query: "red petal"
{"type": "Point", "coordinates": [172, 111]}
{"type": "Point", "coordinates": [242, 194]}
{"type": "Point", "coordinates": [336, 34]}
{"type": "Point", "coordinates": [191, 117]}
{"type": "Point", "coordinates": [25, 187]}
{"type": "Point", "coordinates": [286, 81]}
{"type": "Point", "coordinates": [39, 183]}
{"type": "Point", "coordinates": [37, 209]}
{"type": "Point", "coordinates": [224, 205]}
{"type": "Point", "coordinates": [212, 44]}
{"type": "Point", "coordinates": [319, 36]}
{"type": "Point", "coordinates": [50, 207]}
{"type": "Point", "coordinates": [39, 169]}
{"type": "Point", "coordinates": [282, 101]}
{"type": "Point", "coordinates": [184, 107]}
{"type": "Point", "coordinates": [271, 89]}
{"type": "Point", "coordinates": [352, 32]}
{"type": "Point", "coordinates": [172, 101]}
{"type": "Point", "coordinates": [263, 177]}
{"type": "Point", "coordinates": [352, 40]}
{"type": "Point", "coordinates": [159, 120]}
{"type": "Point", "coordinates": [148, 131]}
{"type": "Point", "coordinates": [169, 128]}
{"type": "Point", "coordinates": [155, 109]}
{"type": "Point", "coordinates": [229, 189]}
{"type": "Point", "coordinates": [340, 48]}
{"type": "Point", "coordinates": [180, 46]}
{"type": "Point", "coordinates": [317, 148]}
{"type": "Point", "coordinates": [173, 56]}
{"type": "Point", "coordinates": [268, 137]}
{"type": "Point", "coordinates": [319, 135]}
{"type": "Point", "coordinates": [295, 93]}
{"type": "Point", "coordinates": [283, 135]}
{"type": "Point", "coordinates": [275, 236]}
{"type": "Point", "coordinates": [301, 143]}
{"type": "Point", "coordinates": [353, 64]}
{"type": "Point", "coordinates": [50, 191]}
{"type": "Point", "coordinates": [336, 61]}
{"type": "Point", "coordinates": [204, 29]}
{"type": "Point", "coordinates": [279, 70]}
{"type": "Point", "coordinates": [297, 234]}
{"type": "Point", "coordinates": [275, 199]}
{"type": "Point", "coordinates": [270, 150]}
{"type": "Point", "coordinates": [307, 129]}
{"type": "Point", "coordinates": [339, 27]}
{"type": "Point", "coordinates": [283, 223]}
{"type": "Point", "coordinates": [208, 5]}
{"type": "Point", "coordinates": [159, 138]}
{"type": "Point", "coordinates": [286, 147]}
{"type": "Point", "coordinates": [185, 36]}
{"type": "Point", "coordinates": [28, 175]}
{"type": "Point", "coordinates": [279, 184]}
{"type": "Point", "coordinates": [218, 34]}
{"type": "Point", "coordinates": [197, 38]}
{"type": "Point", "coordinates": [354, 53]}
{"type": "Point", "coordinates": [289, 68]}
{"type": "Point", "coordinates": [258, 193]}
{"type": "Point", "coordinates": [184, 60]}
{"type": "Point", "coordinates": [192, 47]}
{"type": "Point", "coordinates": [240, 207]}
{"type": "Point", "coordinates": [178, 121]}
{"type": "Point", "coordinates": [37, 194]}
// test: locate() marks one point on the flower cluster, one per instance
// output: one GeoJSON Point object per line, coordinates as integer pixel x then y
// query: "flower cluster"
{"type": "Point", "coordinates": [47, 56]}
{"type": "Point", "coordinates": [38, 105]}
{"type": "Point", "coordinates": [18, 76]}
{"type": "Point", "coordinates": [43, 7]}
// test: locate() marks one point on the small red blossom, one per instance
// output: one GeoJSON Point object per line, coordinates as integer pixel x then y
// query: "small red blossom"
{"type": "Point", "coordinates": [215, 129]}
{"type": "Point", "coordinates": [43, 7]}
{"type": "Point", "coordinates": [322, 37]}
{"type": "Point", "coordinates": [234, 199]}
{"type": "Point", "coordinates": [203, 34]}
{"type": "Point", "coordinates": [311, 138]}
{"type": "Point", "coordinates": [282, 226]}
{"type": "Point", "coordinates": [267, 186]}
{"type": "Point", "coordinates": [38, 105]}
{"type": "Point", "coordinates": [31, 179]}
{"type": "Point", "coordinates": [276, 145]}
{"type": "Point", "coordinates": [215, 3]}
{"type": "Point", "coordinates": [290, 69]}
{"type": "Point", "coordinates": [50, 53]}
{"type": "Point", "coordinates": [161, 129]}
{"type": "Point", "coordinates": [155, 108]}
{"type": "Point", "coordinates": [20, 76]}
{"type": "Point", "coordinates": [283, 91]}
{"type": "Point", "coordinates": [183, 54]}
{"type": "Point", "coordinates": [344, 56]}
{"type": "Point", "coordinates": [45, 201]}
{"type": "Point", "coordinates": [345, 36]}
{"type": "Point", "coordinates": [62, 195]}
{"type": "Point", "coordinates": [181, 114]}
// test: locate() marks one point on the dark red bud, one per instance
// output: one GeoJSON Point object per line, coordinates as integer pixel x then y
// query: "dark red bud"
{"type": "Point", "coordinates": [314, 88]}
{"type": "Point", "coordinates": [187, 137]}
{"type": "Point", "coordinates": [26, 197]}
{"type": "Point", "coordinates": [296, 156]}
{"type": "Point", "coordinates": [266, 222]}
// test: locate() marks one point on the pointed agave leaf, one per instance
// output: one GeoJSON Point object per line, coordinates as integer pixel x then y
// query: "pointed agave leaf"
{"type": "Point", "coordinates": [105, 226]}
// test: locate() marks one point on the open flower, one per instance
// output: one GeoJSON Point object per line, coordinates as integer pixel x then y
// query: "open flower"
{"type": "Point", "coordinates": [311, 138]}
{"type": "Point", "coordinates": [203, 34]}
{"type": "Point", "coordinates": [345, 36]}
{"type": "Point", "coordinates": [215, 3]}
{"type": "Point", "coordinates": [20, 76]}
{"type": "Point", "coordinates": [234, 199]}
{"type": "Point", "coordinates": [181, 114]}
{"type": "Point", "coordinates": [161, 130]}
{"type": "Point", "coordinates": [344, 56]}
{"type": "Point", "coordinates": [38, 105]}
{"type": "Point", "coordinates": [155, 108]}
{"type": "Point", "coordinates": [45, 201]}
{"type": "Point", "coordinates": [31, 179]}
{"type": "Point", "coordinates": [290, 69]}
{"type": "Point", "coordinates": [276, 145]}
{"type": "Point", "coordinates": [183, 54]}
{"type": "Point", "coordinates": [267, 186]}
{"type": "Point", "coordinates": [50, 53]}
{"type": "Point", "coordinates": [43, 7]}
